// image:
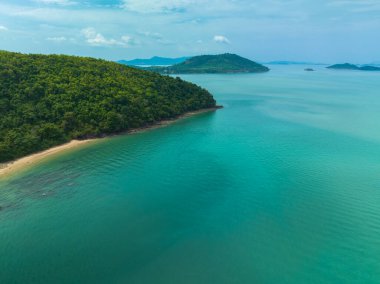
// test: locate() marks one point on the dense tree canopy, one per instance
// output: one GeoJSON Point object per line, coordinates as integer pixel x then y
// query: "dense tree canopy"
{"type": "Point", "coordinates": [46, 100]}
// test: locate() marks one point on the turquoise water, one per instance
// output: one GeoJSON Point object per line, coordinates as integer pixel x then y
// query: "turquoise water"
{"type": "Point", "coordinates": [280, 186]}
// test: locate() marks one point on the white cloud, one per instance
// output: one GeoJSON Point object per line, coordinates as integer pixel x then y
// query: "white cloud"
{"type": "Point", "coordinates": [221, 39]}
{"type": "Point", "coordinates": [97, 39]}
{"type": "Point", "coordinates": [129, 41]}
{"type": "Point", "coordinates": [151, 34]}
{"type": "Point", "coordinates": [56, 2]}
{"type": "Point", "coordinates": [156, 6]}
{"type": "Point", "coordinates": [57, 39]}
{"type": "Point", "coordinates": [3, 28]}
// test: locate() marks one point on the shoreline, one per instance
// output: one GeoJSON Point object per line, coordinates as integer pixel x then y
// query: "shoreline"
{"type": "Point", "coordinates": [9, 168]}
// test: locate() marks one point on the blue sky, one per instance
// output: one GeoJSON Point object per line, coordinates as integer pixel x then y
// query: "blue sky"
{"type": "Point", "coordinates": [321, 31]}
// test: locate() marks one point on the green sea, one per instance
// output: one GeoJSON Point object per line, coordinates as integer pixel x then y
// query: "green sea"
{"type": "Point", "coordinates": [280, 186]}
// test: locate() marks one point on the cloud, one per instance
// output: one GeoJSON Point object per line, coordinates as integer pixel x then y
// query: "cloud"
{"type": "Point", "coordinates": [129, 41]}
{"type": "Point", "coordinates": [156, 6]}
{"type": "Point", "coordinates": [201, 7]}
{"type": "Point", "coordinates": [57, 39]}
{"type": "Point", "coordinates": [56, 2]}
{"type": "Point", "coordinates": [157, 37]}
{"type": "Point", "coordinates": [357, 6]}
{"type": "Point", "coordinates": [3, 28]}
{"type": "Point", "coordinates": [299, 25]}
{"type": "Point", "coordinates": [150, 34]}
{"type": "Point", "coordinates": [165, 41]}
{"type": "Point", "coordinates": [97, 39]}
{"type": "Point", "coordinates": [221, 39]}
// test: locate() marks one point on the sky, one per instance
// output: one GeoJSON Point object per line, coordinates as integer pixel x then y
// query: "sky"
{"type": "Point", "coordinates": [327, 31]}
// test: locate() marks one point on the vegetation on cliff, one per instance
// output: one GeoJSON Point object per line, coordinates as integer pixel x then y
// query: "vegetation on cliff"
{"type": "Point", "coordinates": [47, 100]}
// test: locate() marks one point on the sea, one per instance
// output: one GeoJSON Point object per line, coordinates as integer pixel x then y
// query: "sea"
{"type": "Point", "coordinates": [282, 185]}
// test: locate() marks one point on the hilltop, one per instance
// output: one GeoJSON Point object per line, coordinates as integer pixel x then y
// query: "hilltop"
{"type": "Point", "coordinates": [47, 100]}
{"type": "Point", "coordinates": [223, 63]}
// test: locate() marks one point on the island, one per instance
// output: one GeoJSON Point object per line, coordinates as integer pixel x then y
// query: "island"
{"type": "Point", "coordinates": [369, 68]}
{"type": "Point", "coordinates": [49, 100]}
{"type": "Point", "coordinates": [154, 61]}
{"type": "Point", "coordinates": [348, 66]}
{"type": "Point", "coordinates": [213, 64]}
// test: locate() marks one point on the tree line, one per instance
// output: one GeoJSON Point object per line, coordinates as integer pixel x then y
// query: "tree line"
{"type": "Point", "coordinates": [47, 100]}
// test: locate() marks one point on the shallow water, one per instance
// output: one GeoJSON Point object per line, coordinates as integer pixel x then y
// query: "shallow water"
{"type": "Point", "coordinates": [280, 186]}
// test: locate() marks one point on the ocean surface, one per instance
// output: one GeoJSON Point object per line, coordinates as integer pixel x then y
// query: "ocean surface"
{"type": "Point", "coordinates": [280, 186]}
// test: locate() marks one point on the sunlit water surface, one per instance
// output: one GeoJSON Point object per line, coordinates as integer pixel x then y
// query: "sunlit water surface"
{"type": "Point", "coordinates": [281, 186]}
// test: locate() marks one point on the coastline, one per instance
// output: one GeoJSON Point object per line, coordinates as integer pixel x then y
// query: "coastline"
{"type": "Point", "coordinates": [12, 167]}
{"type": "Point", "coordinates": [9, 168]}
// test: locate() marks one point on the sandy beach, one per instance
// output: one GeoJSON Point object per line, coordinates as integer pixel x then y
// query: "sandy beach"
{"type": "Point", "coordinates": [7, 169]}
{"type": "Point", "coordinates": [14, 166]}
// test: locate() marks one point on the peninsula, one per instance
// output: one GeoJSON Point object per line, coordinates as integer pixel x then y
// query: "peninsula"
{"type": "Point", "coordinates": [49, 100]}
{"type": "Point", "coordinates": [213, 64]}
{"type": "Point", "coordinates": [348, 66]}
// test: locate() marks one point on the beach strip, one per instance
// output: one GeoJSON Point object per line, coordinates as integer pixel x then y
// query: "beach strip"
{"type": "Point", "coordinates": [7, 169]}
{"type": "Point", "coordinates": [27, 161]}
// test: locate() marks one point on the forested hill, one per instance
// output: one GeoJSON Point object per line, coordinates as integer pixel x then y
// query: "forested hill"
{"type": "Point", "coordinates": [348, 66]}
{"type": "Point", "coordinates": [222, 63]}
{"type": "Point", "coordinates": [46, 100]}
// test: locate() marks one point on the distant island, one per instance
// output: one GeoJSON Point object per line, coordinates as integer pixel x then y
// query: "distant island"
{"type": "Point", "coordinates": [48, 100]}
{"type": "Point", "coordinates": [348, 66]}
{"type": "Point", "coordinates": [154, 61]}
{"type": "Point", "coordinates": [213, 64]}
